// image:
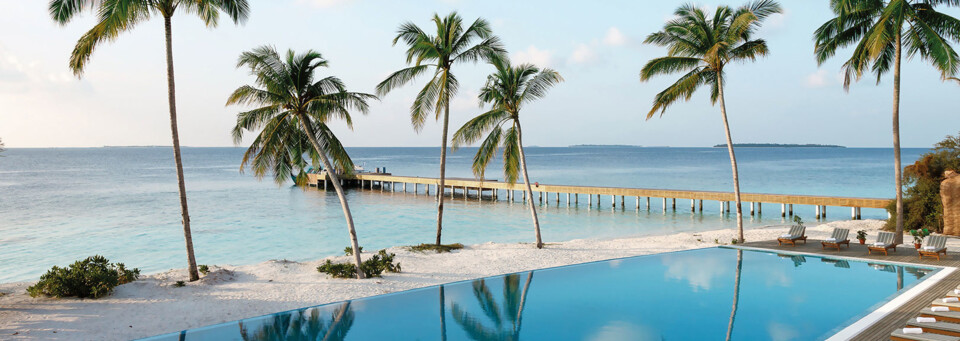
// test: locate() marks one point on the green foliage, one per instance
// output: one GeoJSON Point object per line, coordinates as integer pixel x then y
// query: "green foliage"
{"type": "Point", "coordinates": [862, 234]}
{"type": "Point", "coordinates": [922, 206]}
{"type": "Point", "coordinates": [204, 269]}
{"type": "Point", "coordinates": [348, 251]}
{"type": "Point", "coordinates": [797, 221]}
{"type": "Point", "coordinates": [733, 241]}
{"type": "Point", "coordinates": [437, 248]}
{"type": "Point", "coordinates": [93, 277]}
{"type": "Point", "coordinates": [373, 267]}
{"type": "Point", "coordinates": [179, 284]}
{"type": "Point", "coordinates": [292, 102]}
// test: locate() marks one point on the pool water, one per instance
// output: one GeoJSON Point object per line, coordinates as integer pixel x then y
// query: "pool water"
{"type": "Point", "coordinates": [707, 294]}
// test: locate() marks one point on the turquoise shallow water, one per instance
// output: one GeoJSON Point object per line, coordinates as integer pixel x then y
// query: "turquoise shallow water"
{"type": "Point", "coordinates": [686, 295]}
{"type": "Point", "coordinates": [59, 205]}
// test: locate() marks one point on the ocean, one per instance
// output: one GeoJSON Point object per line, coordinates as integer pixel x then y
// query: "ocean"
{"type": "Point", "coordinates": [62, 204]}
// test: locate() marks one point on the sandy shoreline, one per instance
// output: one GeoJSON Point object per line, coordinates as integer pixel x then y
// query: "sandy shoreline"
{"type": "Point", "coordinates": [153, 306]}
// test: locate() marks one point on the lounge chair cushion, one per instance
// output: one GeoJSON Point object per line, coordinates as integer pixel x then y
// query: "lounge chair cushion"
{"type": "Point", "coordinates": [923, 337]}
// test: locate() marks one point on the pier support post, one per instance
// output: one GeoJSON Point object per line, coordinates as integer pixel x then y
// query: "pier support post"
{"type": "Point", "coordinates": [404, 187]}
{"type": "Point", "coordinates": [783, 210]}
{"type": "Point", "coordinates": [324, 182]}
{"type": "Point", "coordinates": [693, 205]}
{"type": "Point", "coordinates": [638, 203]}
{"type": "Point", "coordinates": [759, 208]}
{"type": "Point", "coordinates": [576, 198]}
{"type": "Point", "coordinates": [648, 203]}
{"type": "Point", "coordinates": [858, 213]}
{"type": "Point", "coordinates": [853, 213]}
{"type": "Point", "coordinates": [701, 205]}
{"type": "Point", "coordinates": [752, 207]}
{"type": "Point", "coordinates": [673, 204]}
{"type": "Point", "coordinates": [568, 198]}
{"type": "Point", "coordinates": [558, 198]}
{"type": "Point", "coordinates": [664, 204]}
{"type": "Point", "coordinates": [728, 207]}
{"type": "Point", "coordinates": [613, 201]}
{"type": "Point", "coordinates": [598, 200]}
{"type": "Point", "coordinates": [621, 202]}
{"type": "Point", "coordinates": [590, 199]}
{"type": "Point", "coordinates": [791, 210]}
{"type": "Point", "coordinates": [818, 212]}
{"type": "Point", "coordinates": [823, 212]}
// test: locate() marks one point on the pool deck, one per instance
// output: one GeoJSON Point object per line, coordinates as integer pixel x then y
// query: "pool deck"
{"type": "Point", "coordinates": [905, 254]}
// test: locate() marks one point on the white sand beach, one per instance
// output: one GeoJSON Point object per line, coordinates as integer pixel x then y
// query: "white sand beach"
{"type": "Point", "coordinates": [152, 305]}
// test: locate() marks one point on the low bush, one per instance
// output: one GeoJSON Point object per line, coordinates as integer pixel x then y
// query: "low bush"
{"type": "Point", "coordinates": [179, 284]}
{"type": "Point", "coordinates": [348, 251]}
{"type": "Point", "coordinates": [93, 277]}
{"type": "Point", "coordinates": [437, 248]}
{"type": "Point", "coordinates": [203, 269]}
{"type": "Point", "coordinates": [373, 267]}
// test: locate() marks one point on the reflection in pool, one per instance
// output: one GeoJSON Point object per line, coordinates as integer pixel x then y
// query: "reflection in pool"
{"type": "Point", "coordinates": [708, 294]}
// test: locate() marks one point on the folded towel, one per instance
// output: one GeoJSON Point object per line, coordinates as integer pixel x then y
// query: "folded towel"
{"type": "Point", "coordinates": [950, 299]}
{"type": "Point", "coordinates": [929, 248]}
{"type": "Point", "coordinates": [956, 291]}
{"type": "Point", "coordinates": [926, 320]}
{"type": "Point", "coordinates": [834, 240]}
{"type": "Point", "coordinates": [879, 244]}
{"type": "Point", "coordinates": [939, 309]}
{"type": "Point", "coordinates": [913, 330]}
{"type": "Point", "coordinates": [785, 236]}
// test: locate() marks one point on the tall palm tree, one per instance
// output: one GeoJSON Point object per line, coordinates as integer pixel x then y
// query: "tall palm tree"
{"type": "Point", "coordinates": [119, 16]}
{"type": "Point", "coordinates": [451, 45]}
{"type": "Point", "coordinates": [506, 321]}
{"type": "Point", "coordinates": [880, 29]}
{"type": "Point", "coordinates": [701, 47]}
{"type": "Point", "coordinates": [293, 108]}
{"type": "Point", "coordinates": [507, 91]}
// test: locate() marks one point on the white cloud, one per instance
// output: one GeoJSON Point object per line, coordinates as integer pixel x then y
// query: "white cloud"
{"type": "Point", "coordinates": [19, 76]}
{"type": "Point", "coordinates": [325, 3]}
{"type": "Point", "coordinates": [822, 78]}
{"type": "Point", "coordinates": [535, 56]}
{"type": "Point", "coordinates": [614, 37]}
{"type": "Point", "coordinates": [582, 54]}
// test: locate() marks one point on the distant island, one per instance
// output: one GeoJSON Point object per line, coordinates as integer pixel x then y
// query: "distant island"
{"type": "Point", "coordinates": [784, 145]}
{"type": "Point", "coordinates": [604, 145]}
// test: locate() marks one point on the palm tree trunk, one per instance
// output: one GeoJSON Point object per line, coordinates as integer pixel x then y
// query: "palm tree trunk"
{"type": "Point", "coordinates": [181, 186]}
{"type": "Point", "coordinates": [337, 319]}
{"type": "Point", "coordinates": [896, 140]}
{"type": "Point", "coordinates": [733, 161]}
{"type": "Point", "coordinates": [443, 167]}
{"type": "Point", "coordinates": [443, 316]}
{"type": "Point", "coordinates": [331, 172]}
{"type": "Point", "coordinates": [736, 294]}
{"type": "Point", "coordinates": [523, 300]}
{"type": "Point", "coordinates": [526, 182]}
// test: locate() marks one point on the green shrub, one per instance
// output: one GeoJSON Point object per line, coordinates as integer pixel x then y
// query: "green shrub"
{"type": "Point", "coordinates": [921, 197]}
{"type": "Point", "coordinates": [348, 251]}
{"type": "Point", "coordinates": [203, 269]}
{"type": "Point", "coordinates": [437, 248]}
{"type": "Point", "coordinates": [179, 284]}
{"type": "Point", "coordinates": [93, 277]}
{"type": "Point", "coordinates": [373, 267]}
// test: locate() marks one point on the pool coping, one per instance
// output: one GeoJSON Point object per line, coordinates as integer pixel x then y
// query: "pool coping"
{"type": "Point", "coordinates": [861, 325]}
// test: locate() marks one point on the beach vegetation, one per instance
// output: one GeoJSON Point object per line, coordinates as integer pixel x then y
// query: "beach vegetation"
{"type": "Point", "coordinates": [117, 17]}
{"type": "Point", "coordinates": [93, 277]}
{"type": "Point", "coordinates": [375, 266]}
{"type": "Point", "coordinates": [882, 33]}
{"type": "Point", "coordinates": [179, 284]}
{"type": "Point", "coordinates": [861, 235]}
{"type": "Point", "coordinates": [436, 248]}
{"type": "Point", "coordinates": [348, 251]}
{"type": "Point", "coordinates": [797, 221]}
{"type": "Point", "coordinates": [918, 235]}
{"type": "Point", "coordinates": [204, 269]}
{"type": "Point", "coordinates": [922, 204]}
{"type": "Point", "coordinates": [292, 109]}
{"type": "Point", "coordinates": [700, 46]}
{"type": "Point", "coordinates": [434, 56]}
{"type": "Point", "coordinates": [507, 90]}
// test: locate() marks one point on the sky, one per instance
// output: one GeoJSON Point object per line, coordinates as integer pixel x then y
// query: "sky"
{"type": "Point", "coordinates": [596, 47]}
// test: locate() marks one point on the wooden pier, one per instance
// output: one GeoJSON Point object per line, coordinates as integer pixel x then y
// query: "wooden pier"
{"type": "Point", "coordinates": [640, 197]}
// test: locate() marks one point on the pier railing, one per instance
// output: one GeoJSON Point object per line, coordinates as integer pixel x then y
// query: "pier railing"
{"type": "Point", "coordinates": [544, 192]}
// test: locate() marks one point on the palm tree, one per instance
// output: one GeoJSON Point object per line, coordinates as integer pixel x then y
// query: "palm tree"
{"type": "Point", "coordinates": [955, 79]}
{"type": "Point", "coordinates": [701, 47]}
{"type": "Point", "coordinates": [736, 294]}
{"type": "Point", "coordinates": [291, 117]}
{"type": "Point", "coordinates": [880, 29]}
{"type": "Point", "coordinates": [119, 16]}
{"type": "Point", "coordinates": [451, 45]}
{"type": "Point", "coordinates": [304, 324]}
{"type": "Point", "coordinates": [506, 320]}
{"type": "Point", "coordinates": [508, 90]}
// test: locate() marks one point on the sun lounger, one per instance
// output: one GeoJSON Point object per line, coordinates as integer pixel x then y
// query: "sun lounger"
{"type": "Point", "coordinates": [945, 316]}
{"type": "Point", "coordinates": [884, 242]}
{"type": "Point", "coordinates": [954, 306]}
{"type": "Point", "coordinates": [933, 247]}
{"type": "Point", "coordinates": [942, 328]}
{"type": "Point", "coordinates": [898, 335]}
{"type": "Point", "coordinates": [796, 234]}
{"type": "Point", "coordinates": [839, 237]}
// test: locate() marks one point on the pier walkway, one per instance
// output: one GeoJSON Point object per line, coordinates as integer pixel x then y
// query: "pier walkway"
{"type": "Point", "coordinates": [640, 197]}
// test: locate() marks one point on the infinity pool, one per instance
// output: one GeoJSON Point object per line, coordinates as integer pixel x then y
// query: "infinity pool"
{"type": "Point", "coordinates": [707, 294]}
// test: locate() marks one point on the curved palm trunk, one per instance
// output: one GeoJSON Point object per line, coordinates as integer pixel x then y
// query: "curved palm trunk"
{"type": "Point", "coordinates": [896, 141]}
{"type": "Point", "coordinates": [181, 186]}
{"type": "Point", "coordinates": [443, 167]}
{"type": "Point", "coordinates": [736, 293]}
{"type": "Point", "coordinates": [733, 161]}
{"type": "Point", "coordinates": [339, 189]}
{"type": "Point", "coordinates": [526, 182]}
{"type": "Point", "coordinates": [523, 299]}
{"type": "Point", "coordinates": [337, 319]}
